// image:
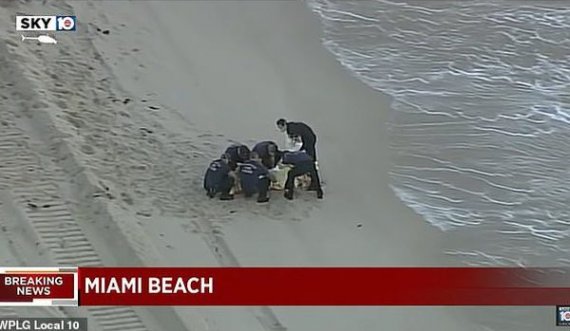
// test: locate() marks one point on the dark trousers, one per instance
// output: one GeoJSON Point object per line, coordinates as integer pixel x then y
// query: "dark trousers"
{"type": "Point", "coordinates": [226, 185]}
{"type": "Point", "coordinates": [309, 146]}
{"type": "Point", "coordinates": [263, 187]}
{"type": "Point", "coordinates": [300, 169]}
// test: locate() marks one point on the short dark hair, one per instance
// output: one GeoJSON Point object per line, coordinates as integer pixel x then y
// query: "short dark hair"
{"type": "Point", "coordinates": [281, 122]}
{"type": "Point", "coordinates": [243, 152]}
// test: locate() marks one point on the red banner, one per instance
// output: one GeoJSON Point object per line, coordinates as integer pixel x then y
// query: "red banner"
{"type": "Point", "coordinates": [21, 286]}
{"type": "Point", "coordinates": [323, 286]}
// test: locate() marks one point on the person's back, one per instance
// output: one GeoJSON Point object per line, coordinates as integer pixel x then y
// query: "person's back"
{"type": "Point", "coordinates": [237, 153]}
{"type": "Point", "coordinates": [302, 164]}
{"type": "Point", "coordinates": [300, 129]}
{"type": "Point", "coordinates": [263, 148]}
{"type": "Point", "coordinates": [296, 158]}
{"type": "Point", "coordinates": [217, 179]}
{"type": "Point", "coordinates": [250, 172]}
{"type": "Point", "coordinates": [266, 150]}
{"type": "Point", "coordinates": [215, 173]}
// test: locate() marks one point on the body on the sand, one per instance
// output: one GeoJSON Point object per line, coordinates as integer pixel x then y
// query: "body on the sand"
{"type": "Point", "coordinates": [300, 130]}
{"type": "Point", "coordinates": [218, 179]}
{"type": "Point", "coordinates": [302, 164]}
{"type": "Point", "coordinates": [254, 178]}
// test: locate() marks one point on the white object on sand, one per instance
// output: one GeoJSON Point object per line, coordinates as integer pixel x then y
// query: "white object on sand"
{"type": "Point", "coordinates": [44, 39]}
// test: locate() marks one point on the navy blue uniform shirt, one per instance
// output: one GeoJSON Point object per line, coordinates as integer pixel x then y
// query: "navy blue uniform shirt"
{"type": "Point", "coordinates": [233, 153]}
{"type": "Point", "coordinates": [295, 158]}
{"type": "Point", "coordinates": [215, 175]}
{"type": "Point", "coordinates": [250, 172]}
{"type": "Point", "coordinates": [262, 148]}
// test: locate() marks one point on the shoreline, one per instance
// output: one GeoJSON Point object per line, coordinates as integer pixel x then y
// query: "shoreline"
{"type": "Point", "coordinates": [241, 67]}
{"type": "Point", "coordinates": [244, 65]}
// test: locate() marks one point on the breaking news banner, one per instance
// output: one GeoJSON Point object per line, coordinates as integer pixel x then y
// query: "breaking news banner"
{"type": "Point", "coordinates": [292, 286]}
{"type": "Point", "coordinates": [323, 286]}
{"type": "Point", "coordinates": [39, 286]}
{"type": "Point", "coordinates": [43, 324]}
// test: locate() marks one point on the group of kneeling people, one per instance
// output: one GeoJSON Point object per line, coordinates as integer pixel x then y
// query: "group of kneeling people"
{"type": "Point", "coordinates": [253, 171]}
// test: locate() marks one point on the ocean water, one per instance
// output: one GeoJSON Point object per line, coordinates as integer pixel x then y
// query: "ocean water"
{"type": "Point", "coordinates": [480, 125]}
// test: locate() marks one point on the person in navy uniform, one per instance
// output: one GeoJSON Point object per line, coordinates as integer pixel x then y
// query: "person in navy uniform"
{"type": "Point", "coordinates": [254, 178]}
{"type": "Point", "coordinates": [302, 164]}
{"type": "Point", "coordinates": [237, 153]}
{"type": "Point", "coordinates": [218, 179]}
{"type": "Point", "coordinates": [267, 152]}
{"type": "Point", "coordinates": [303, 131]}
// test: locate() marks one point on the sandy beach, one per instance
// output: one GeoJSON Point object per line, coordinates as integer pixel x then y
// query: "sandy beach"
{"type": "Point", "coordinates": [120, 120]}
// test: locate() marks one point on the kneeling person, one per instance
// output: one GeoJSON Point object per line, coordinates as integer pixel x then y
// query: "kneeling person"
{"type": "Point", "coordinates": [302, 164]}
{"type": "Point", "coordinates": [267, 151]}
{"type": "Point", "coordinates": [218, 178]}
{"type": "Point", "coordinates": [254, 178]}
{"type": "Point", "coordinates": [237, 153]}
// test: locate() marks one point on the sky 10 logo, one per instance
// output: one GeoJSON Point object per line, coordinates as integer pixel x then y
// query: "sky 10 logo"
{"type": "Point", "coordinates": [563, 315]}
{"type": "Point", "coordinates": [46, 23]}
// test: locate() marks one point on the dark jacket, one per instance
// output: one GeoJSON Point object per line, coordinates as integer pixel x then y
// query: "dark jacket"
{"type": "Point", "coordinates": [262, 148]}
{"type": "Point", "coordinates": [295, 158]}
{"type": "Point", "coordinates": [250, 172]}
{"type": "Point", "coordinates": [300, 129]}
{"type": "Point", "coordinates": [234, 155]}
{"type": "Point", "coordinates": [216, 174]}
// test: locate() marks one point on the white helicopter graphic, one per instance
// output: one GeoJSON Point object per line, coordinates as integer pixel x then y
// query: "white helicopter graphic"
{"type": "Point", "coordinates": [44, 39]}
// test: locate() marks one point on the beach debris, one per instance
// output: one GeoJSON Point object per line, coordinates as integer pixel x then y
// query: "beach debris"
{"type": "Point", "coordinates": [154, 107]}
{"type": "Point", "coordinates": [146, 130]}
{"type": "Point", "coordinates": [103, 31]}
{"type": "Point", "coordinates": [145, 213]}
{"type": "Point", "coordinates": [127, 100]}
{"type": "Point", "coordinates": [103, 186]}
{"type": "Point", "coordinates": [32, 205]}
{"type": "Point", "coordinates": [127, 198]}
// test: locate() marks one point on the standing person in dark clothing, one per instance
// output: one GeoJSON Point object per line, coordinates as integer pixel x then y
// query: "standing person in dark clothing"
{"type": "Point", "coordinates": [254, 178]}
{"type": "Point", "coordinates": [237, 154]}
{"type": "Point", "coordinates": [267, 152]}
{"type": "Point", "coordinates": [218, 179]}
{"type": "Point", "coordinates": [302, 130]}
{"type": "Point", "coordinates": [302, 164]}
